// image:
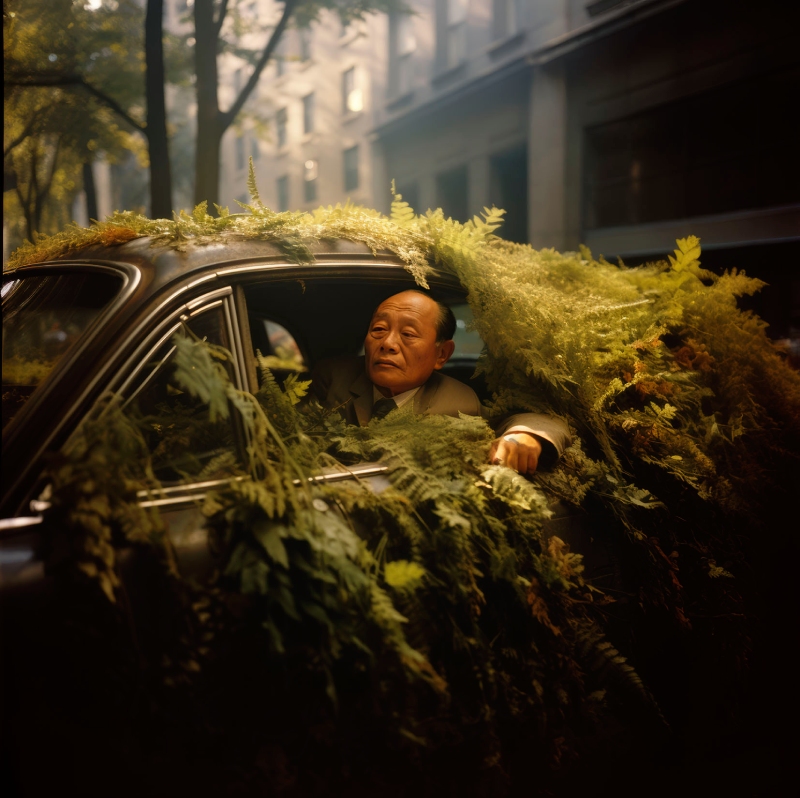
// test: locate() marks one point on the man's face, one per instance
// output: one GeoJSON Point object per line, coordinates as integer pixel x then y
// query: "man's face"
{"type": "Point", "coordinates": [400, 348]}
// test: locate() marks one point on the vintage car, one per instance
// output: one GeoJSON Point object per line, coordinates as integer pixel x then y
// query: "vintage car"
{"type": "Point", "coordinates": [106, 320]}
{"type": "Point", "coordinates": [78, 328]}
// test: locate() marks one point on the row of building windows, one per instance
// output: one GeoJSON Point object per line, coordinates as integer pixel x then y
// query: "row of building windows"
{"type": "Point", "coordinates": [352, 178]}
{"type": "Point", "coordinates": [352, 102]}
{"type": "Point", "coordinates": [452, 46]}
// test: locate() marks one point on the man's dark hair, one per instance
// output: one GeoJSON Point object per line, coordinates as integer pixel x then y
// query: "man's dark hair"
{"type": "Point", "coordinates": [445, 324]}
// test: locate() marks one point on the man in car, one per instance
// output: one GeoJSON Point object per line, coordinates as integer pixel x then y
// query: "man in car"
{"type": "Point", "coordinates": [410, 339]}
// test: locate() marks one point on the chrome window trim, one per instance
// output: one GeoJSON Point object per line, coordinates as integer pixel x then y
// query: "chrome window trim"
{"type": "Point", "coordinates": [19, 522]}
{"type": "Point", "coordinates": [194, 492]}
{"type": "Point", "coordinates": [235, 345]}
{"type": "Point", "coordinates": [184, 312]}
{"type": "Point", "coordinates": [203, 309]}
{"type": "Point", "coordinates": [215, 294]}
{"type": "Point", "coordinates": [161, 341]}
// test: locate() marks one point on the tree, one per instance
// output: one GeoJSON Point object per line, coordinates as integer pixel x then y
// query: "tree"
{"type": "Point", "coordinates": [210, 40]}
{"type": "Point", "coordinates": [70, 95]}
{"type": "Point", "coordinates": [156, 128]}
{"type": "Point", "coordinates": [96, 51]}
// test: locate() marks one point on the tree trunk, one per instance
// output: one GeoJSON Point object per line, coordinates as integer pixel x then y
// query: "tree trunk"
{"type": "Point", "coordinates": [158, 145]}
{"type": "Point", "coordinates": [209, 132]}
{"type": "Point", "coordinates": [90, 190]}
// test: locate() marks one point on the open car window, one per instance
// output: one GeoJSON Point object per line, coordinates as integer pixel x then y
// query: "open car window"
{"type": "Point", "coordinates": [275, 347]}
{"type": "Point", "coordinates": [44, 316]}
{"type": "Point", "coordinates": [468, 343]}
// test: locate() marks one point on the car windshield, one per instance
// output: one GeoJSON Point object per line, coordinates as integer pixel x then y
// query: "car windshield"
{"type": "Point", "coordinates": [43, 316]}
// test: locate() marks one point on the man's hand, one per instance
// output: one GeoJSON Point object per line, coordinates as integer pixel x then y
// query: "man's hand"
{"type": "Point", "coordinates": [519, 451]}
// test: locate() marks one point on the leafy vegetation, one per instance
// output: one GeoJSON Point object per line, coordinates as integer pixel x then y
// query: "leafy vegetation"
{"type": "Point", "coordinates": [367, 636]}
{"type": "Point", "coordinates": [73, 87]}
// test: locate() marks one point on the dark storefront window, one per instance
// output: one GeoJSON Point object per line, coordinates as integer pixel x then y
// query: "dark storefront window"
{"type": "Point", "coordinates": [728, 150]}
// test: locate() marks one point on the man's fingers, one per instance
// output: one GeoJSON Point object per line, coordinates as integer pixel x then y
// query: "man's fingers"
{"type": "Point", "coordinates": [504, 452]}
{"type": "Point", "coordinates": [501, 452]}
{"type": "Point", "coordinates": [522, 456]}
{"type": "Point", "coordinates": [512, 458]}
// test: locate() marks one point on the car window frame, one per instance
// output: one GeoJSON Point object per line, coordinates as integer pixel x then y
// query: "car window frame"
{"type": "Point", "coordinates": [14, 434]}
{"type": "Point", "coordinates": [130, 277]}
{"type": "Point", "coordinates": [187, 492]}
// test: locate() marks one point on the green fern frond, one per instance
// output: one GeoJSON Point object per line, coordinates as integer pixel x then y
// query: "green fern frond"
{"type": "Point", "coordinates": [252, 188]}
{"type": "Point", "coordinates": [611, 669]}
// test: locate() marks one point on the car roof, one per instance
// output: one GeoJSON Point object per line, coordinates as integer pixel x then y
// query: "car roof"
{"type": "Point", "coordinates": [161, 264]}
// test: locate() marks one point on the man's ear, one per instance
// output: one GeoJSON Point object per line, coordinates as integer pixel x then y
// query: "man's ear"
{"type": "Point", "coordinates": [446, 350]}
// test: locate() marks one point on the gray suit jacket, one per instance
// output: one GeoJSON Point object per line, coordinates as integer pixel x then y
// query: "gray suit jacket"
{"type": "Point", "coordinates": [343, 383]}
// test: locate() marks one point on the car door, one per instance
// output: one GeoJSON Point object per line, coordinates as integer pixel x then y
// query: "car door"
{"type": "Point", "coordinates": [184, 466]}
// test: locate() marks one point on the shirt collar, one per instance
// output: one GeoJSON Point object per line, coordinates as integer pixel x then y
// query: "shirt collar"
{"type": "Point", "coordinates": [400, 399]}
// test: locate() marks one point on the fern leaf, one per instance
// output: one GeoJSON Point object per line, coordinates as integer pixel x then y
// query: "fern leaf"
{"type": "Point", "coordinates": [252, 188]}
{"type": "Point", "coordinates": [687, 255]}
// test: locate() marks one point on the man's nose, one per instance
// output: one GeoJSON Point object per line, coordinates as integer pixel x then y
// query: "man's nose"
{"type": "Point", "coordinates": [390, 341]}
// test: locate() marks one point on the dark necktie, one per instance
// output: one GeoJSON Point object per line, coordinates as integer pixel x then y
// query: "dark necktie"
{"type": "Point", "coordinates": [382, 407]}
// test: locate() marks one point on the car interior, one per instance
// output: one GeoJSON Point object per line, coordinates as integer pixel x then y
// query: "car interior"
{"type": "Point", "coordinates": [313, 319]}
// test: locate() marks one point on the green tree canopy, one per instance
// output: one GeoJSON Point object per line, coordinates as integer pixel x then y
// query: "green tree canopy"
{"type": "Point", "coordinates": [73, 90]}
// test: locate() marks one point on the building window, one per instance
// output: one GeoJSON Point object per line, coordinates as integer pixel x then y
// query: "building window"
{"type": "Point", "coordinates": [451, 193]}
{"type": "Point", "coordinates": [255, 150]}
{"type": "Point", "coordinates": [695, 157]}
{"type": "Point", "coordinates": [456, 34]}
{"type": "Point", "coordinates": [308, 113]}
{"type": "Point", "coordinates": [352, 97]}
{"type": "Point", "coordinates": [506, 18]}
{"type": "Point", "coordinates": [281, 119]}
{"type": "Point", "coordinates": [351, 168]}
{"type": "Point", "coordinates": [240, 151]}
{"type": "Point", "coordinates": [310, 176]}
{"type": "Point", "coordinates": [402, 45]}
{"type": "Point", "coordinates": [305, 45]}
{"type": "Point", "coordinates": [283, 193]}
{"type": "Point", "coordinates": [280, 58]}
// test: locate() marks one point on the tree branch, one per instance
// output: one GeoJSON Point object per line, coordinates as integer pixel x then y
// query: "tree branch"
{"type": "Point", "coordinates": [45, 190]}
{"type": "Point", "coordinates": [19, 139]}
{"type": "Point", "coordinates": [76, 80]}
{"type": "Point", "coordinates": [223, 10]}
{"type": "Point", "coordinates": [231, 114]}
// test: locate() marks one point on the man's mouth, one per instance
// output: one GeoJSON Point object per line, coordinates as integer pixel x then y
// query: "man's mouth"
{"type": "Point", "coordinates": [387, 363]}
